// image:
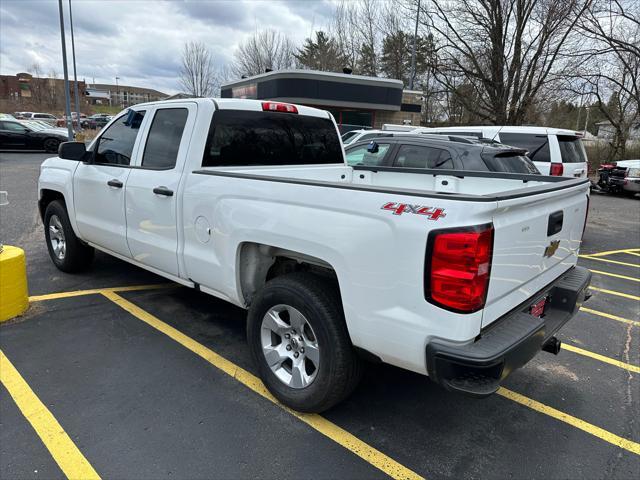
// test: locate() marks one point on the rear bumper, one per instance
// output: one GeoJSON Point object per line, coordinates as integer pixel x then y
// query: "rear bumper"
{"type": "Point", "coordinates": [478, 368]}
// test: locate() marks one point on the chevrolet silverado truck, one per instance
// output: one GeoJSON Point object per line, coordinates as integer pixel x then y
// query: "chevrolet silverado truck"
{"type": "Point", "coordinates": [459, 275]}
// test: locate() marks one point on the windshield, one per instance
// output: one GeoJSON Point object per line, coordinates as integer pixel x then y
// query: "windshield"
{"type": "Point", "coordinates": [571, 149]}
{"type": "Point", "coordinates": [346, 136]}
{"type": "Point", "coordinates": [34, 127]}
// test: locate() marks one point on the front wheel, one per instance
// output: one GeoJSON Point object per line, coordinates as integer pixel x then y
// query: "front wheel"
{"type": "Point", "coordinates": [66, 250]}
{"type": "Point", "coordinates": [299, 341]}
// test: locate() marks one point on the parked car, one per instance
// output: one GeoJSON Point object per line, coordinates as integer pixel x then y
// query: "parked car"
{"type": "Point", "coordinates": [97, 120]}
{"type": "Point", "coordinates": [624, 177]}
{"type": "Point", "coordinates": [22, 115]}
{"type": "Point", "coordinates": [62, 122]}
{"type": "Point", "coordinates": [16, 135]}
{"type": "Point", "coordinates": [462, 278]}
{"type": "Point", "coordinates": [439, 152]}
{"type": "Point", "coordinates": [7, 116]}
{"type": "Point", "coordinates": [39, 126]}
{"type": "Point", "coordinates": [353, 136]}
{"type": "Point", "coordinates": [554, 151]}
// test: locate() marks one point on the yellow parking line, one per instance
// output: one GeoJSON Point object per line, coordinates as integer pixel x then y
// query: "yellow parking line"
{"type": "Point", "coordinates": [589, 257]}
{"type": "Point", "coordinates": [602, 358]}
{"type": "Point", "coordinates": [613, 292]}
{"type": "Point", "coordinates": [611, 252]}
{"type": "Point", "coordinates": [79, 293]}
{"type": "Point", "coordinates": [624, 277]}
{"type": "Point", "coordinates": [610, 316]}
{"type": "Point", "coordinates": [633, 253]}
{"type": "Point", "coordinates": [317, 422]}
{"type": "Point", "coordinates": [62, 449]}
{"type": "Point", "coordinates": [571, 420]}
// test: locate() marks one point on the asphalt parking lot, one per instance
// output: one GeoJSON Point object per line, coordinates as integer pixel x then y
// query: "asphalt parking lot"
{"type": "Point", "coordinates": [113, 373]}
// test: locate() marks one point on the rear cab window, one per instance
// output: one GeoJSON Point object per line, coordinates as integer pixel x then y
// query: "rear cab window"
{"type": "Point", "coordinates": [537, 145]}
{"type": "Point", "coordinates": [248, 138]}
{"type": "Point", "coordinates": [571, 149]}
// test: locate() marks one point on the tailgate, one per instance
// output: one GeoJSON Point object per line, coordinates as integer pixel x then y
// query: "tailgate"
{"type": "Point", "coordinates": [536, 239]}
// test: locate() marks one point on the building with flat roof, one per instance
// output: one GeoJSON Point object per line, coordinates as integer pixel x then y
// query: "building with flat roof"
{"type": "Point", "coordinates": [355, 101]}
{"type": "Point", "coordinates": [121, 95]}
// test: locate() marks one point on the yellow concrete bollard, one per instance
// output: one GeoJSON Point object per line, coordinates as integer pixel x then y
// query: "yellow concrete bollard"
{"type": "Point", "coordinates": [14, 294]}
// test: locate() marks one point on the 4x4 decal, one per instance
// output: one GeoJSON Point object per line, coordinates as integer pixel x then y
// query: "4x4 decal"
{"type": "Point", "coordinates": [432, 213]}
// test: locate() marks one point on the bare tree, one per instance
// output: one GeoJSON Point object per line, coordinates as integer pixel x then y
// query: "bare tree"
{"type": "Point", "coordinates": [266, 49]}
{"type": "Point", "coordinates": [610, 61]}
{"type": "Point", "coordinates": [197, 74]}
{"type": "Point", "coordinates": [506, 51]}
{"type": "Point", "coordinates": [37, 84]}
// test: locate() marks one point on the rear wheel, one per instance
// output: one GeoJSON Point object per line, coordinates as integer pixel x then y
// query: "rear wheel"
{"type": "Point", "coordinates": [66, 250]}
{"type": "Point", "coordinates": [299, 341]}
{"type": "Point", "coordinates": [51, 144]}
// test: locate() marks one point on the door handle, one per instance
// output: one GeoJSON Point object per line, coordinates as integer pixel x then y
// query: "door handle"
{"type": "Point", "coordinates": [162, 190]}
{"type": "Point", "coordinates": [115, 183]}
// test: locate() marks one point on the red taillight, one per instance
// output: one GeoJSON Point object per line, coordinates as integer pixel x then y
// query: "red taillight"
{"type": "Point", "coordinates": [557, 169]}
{"type": "Point", "coordinates": [279, 107]}
{"type": "Point", "coordinates": [457, 276]}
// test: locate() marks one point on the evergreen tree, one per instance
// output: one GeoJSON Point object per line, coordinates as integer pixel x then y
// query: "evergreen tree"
{"type": "Point", "coordinates": [321, 54]}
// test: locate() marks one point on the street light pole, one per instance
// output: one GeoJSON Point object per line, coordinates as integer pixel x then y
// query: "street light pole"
{"type": "Point", "coordinates": [413, 50]}
{"type": "Point", "coordinates": [75, 76]}
{"type": "Point", "coordinates": [67, 99]}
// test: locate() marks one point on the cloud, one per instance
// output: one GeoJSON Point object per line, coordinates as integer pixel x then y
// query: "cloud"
{"type": "Point", "coordinates": [141, 41]}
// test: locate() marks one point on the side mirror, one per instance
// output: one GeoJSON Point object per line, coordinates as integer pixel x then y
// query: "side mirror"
{"type": "Point", "coordinates": [72, 151]}
{"type": "Point", "coordinates": [373, 147]}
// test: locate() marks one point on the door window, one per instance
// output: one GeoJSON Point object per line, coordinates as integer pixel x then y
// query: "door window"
{"type": "Point", "coordinates": [12, 127]}
{"type": "Point", "coordinates": [416, 156]}
{"type": "Point", "coordinates": [164, 138]}
{"type": "Point", "coordinates": [116, 143]}
{"type": "Point", "coordinates": [360, 155]}
{"type": "Point", "coordinates": [537, 146]}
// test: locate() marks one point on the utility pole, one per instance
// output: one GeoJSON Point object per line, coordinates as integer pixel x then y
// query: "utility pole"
{"type": "Point", "coordinates": [413, 50]}
{"type": "Point", "coordinates": [75, 76]}
{"type": "Point", "coordinates": [67, 99]}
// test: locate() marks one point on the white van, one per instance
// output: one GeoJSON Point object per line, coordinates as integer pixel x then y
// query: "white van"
{"type": "Point", "coordinates": [554, 151]}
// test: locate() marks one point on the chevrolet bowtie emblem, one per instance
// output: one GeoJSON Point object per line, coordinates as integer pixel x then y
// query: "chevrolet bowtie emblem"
{"type": "Point", "coordinates": [551, 248]}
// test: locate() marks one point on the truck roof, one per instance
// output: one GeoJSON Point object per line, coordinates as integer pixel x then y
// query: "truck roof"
{"type": "Point", "coordinates": [240, 104]}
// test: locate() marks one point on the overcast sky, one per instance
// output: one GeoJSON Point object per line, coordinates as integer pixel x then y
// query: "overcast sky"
{"type": "Point", "coordinates": [141, 41]}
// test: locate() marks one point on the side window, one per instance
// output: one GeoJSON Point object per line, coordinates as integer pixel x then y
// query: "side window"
{"type": "Point", "coordinates": [13, 127]}
{"type": "Point", "coordinates": [360, 156]}
{"type": "Point", "coordinates": [116, 143]}
{"type": "Point", "coordinates": [536, 145]}
{"type": "Point", "coordinates": [164, 138]}
{"type": "Point", "coordinates": [416, 156]}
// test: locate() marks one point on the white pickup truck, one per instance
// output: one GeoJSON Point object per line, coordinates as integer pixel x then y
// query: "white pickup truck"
{"type": "Point", "coordinates": [461, 276]}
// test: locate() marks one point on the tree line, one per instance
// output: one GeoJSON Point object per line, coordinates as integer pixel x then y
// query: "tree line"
{"type": "Point", "coordinates": [476, 61]}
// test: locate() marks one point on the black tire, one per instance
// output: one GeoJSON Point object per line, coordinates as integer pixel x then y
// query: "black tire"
{"type": "Point", "coordinates": [77, 256]}
{"type": "Point", "coordinates": [51, 144]}
{"type": "Point", "coordinates": [319, 301]}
